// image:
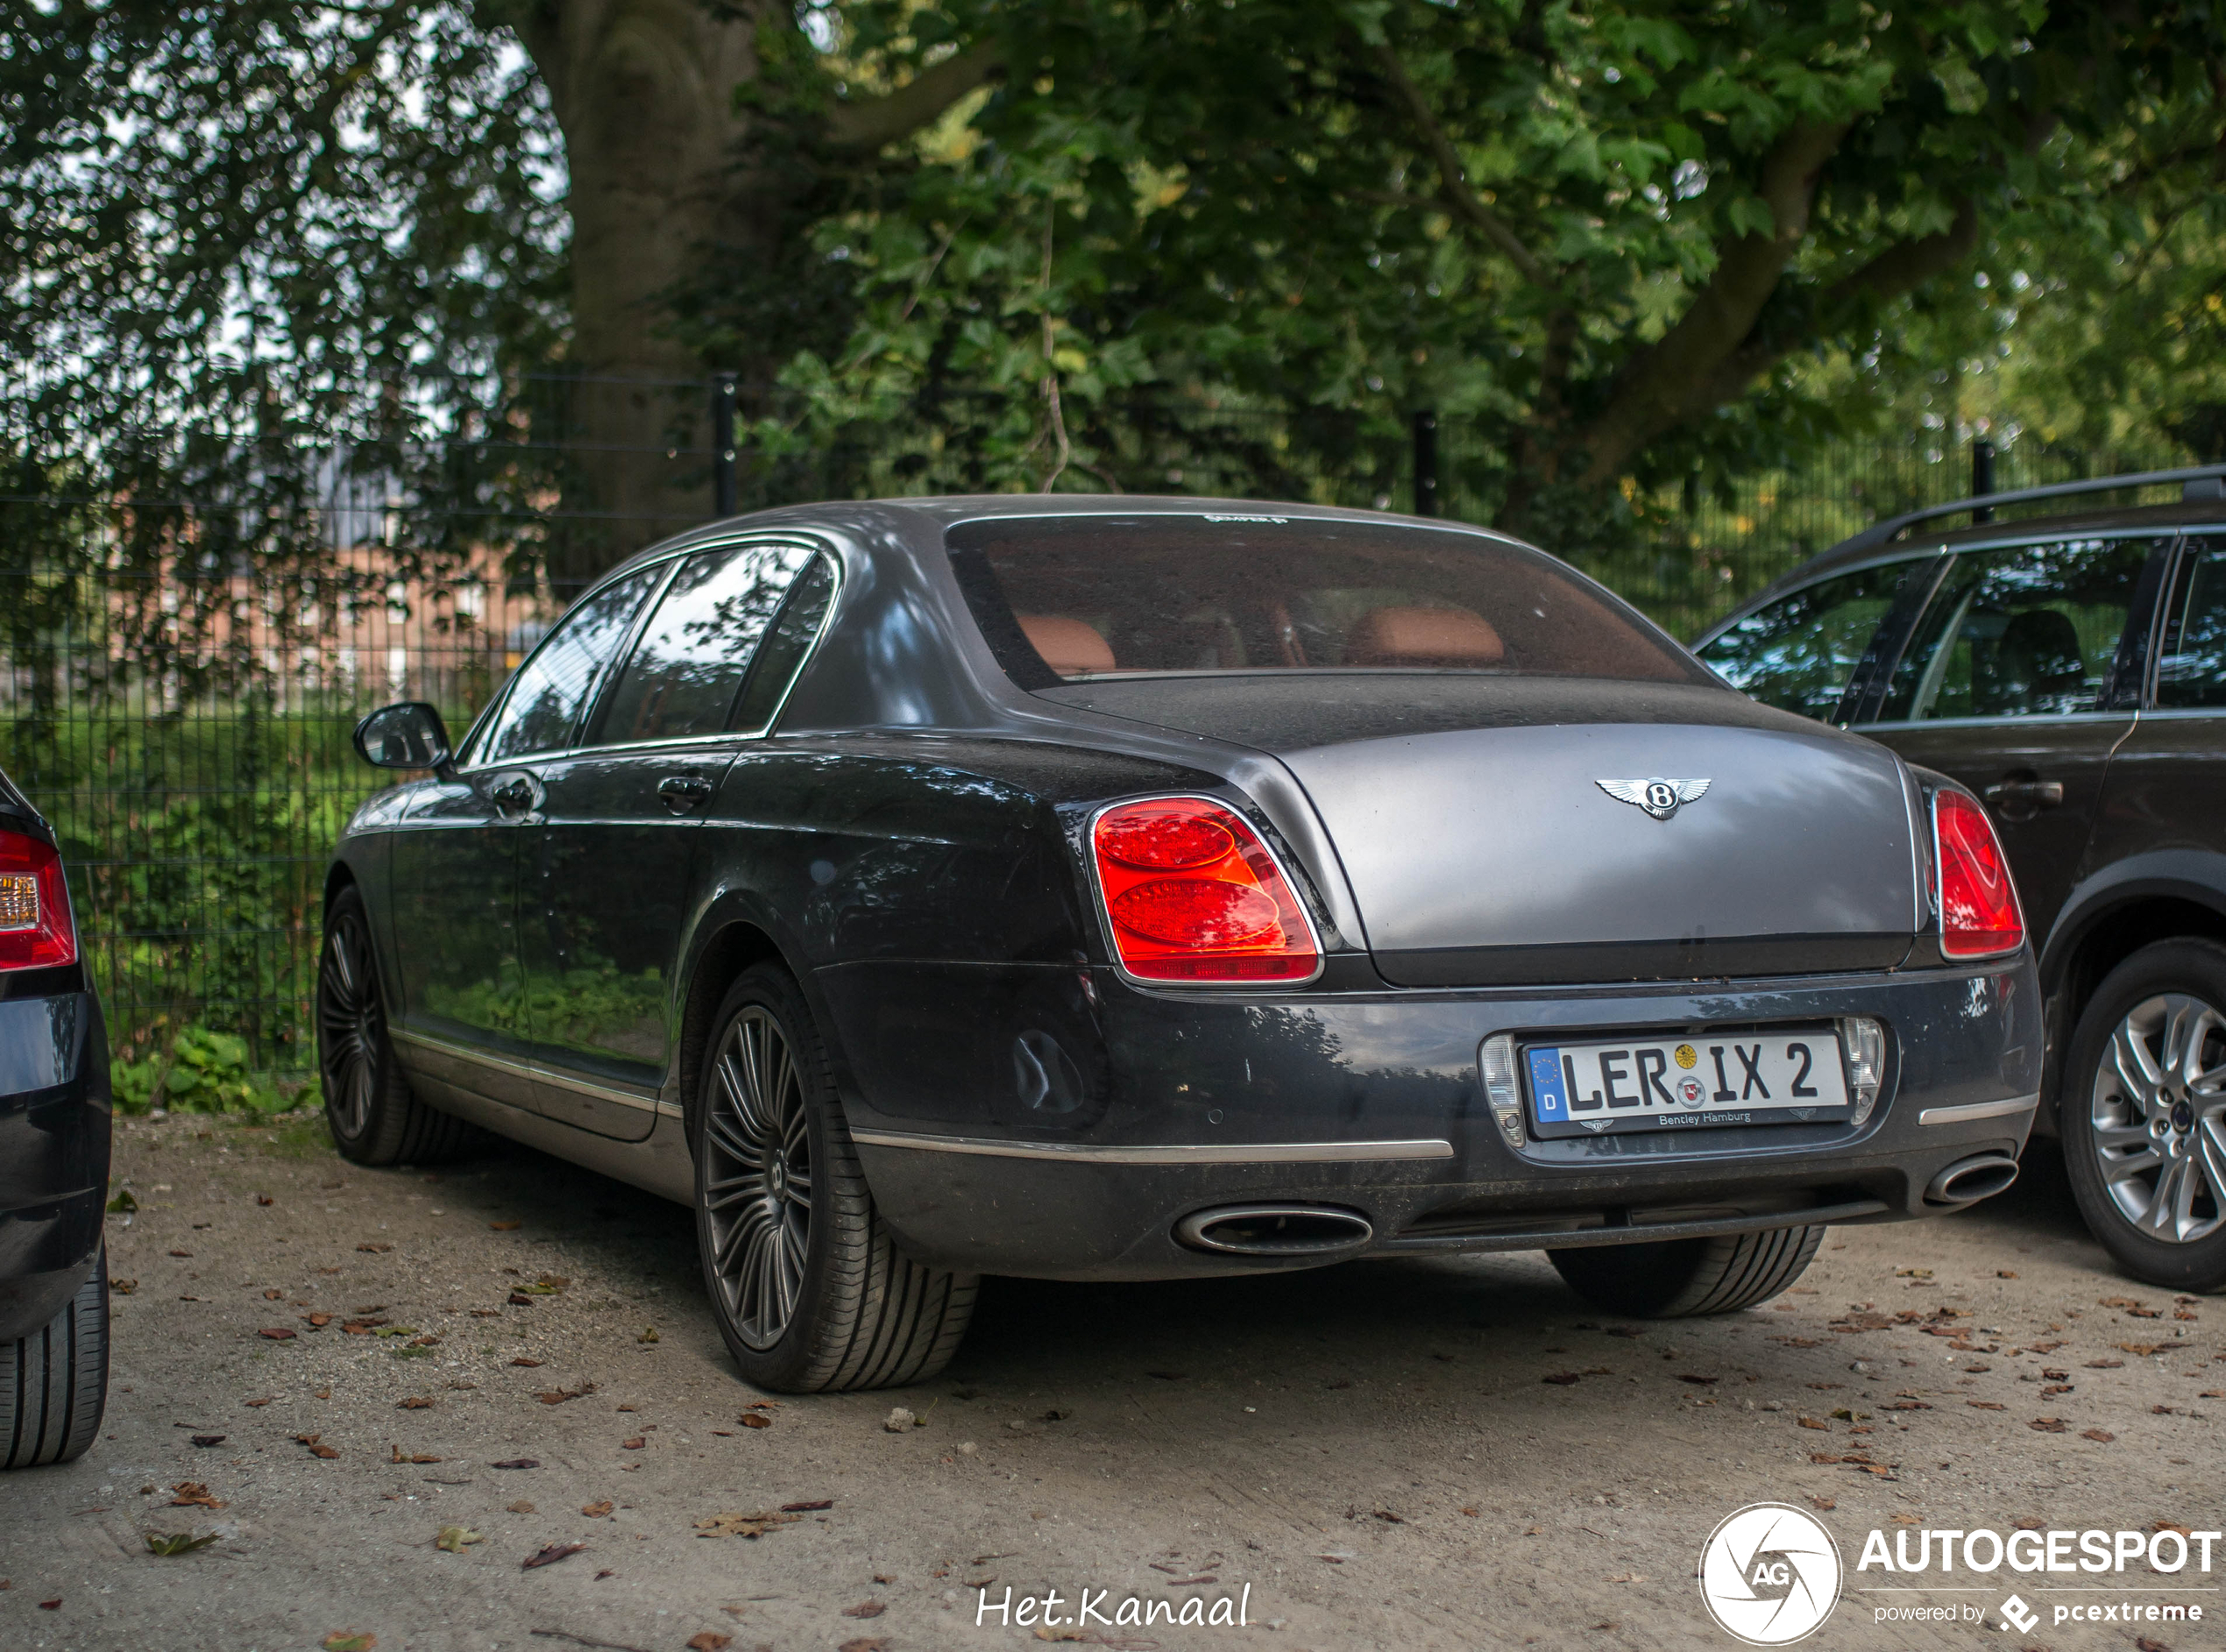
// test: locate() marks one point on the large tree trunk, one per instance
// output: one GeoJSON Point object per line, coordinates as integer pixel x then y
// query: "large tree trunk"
{"type": "Point", "coordinates": [644, 92]}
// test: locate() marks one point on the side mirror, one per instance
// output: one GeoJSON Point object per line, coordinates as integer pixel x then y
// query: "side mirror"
{"type": "Point", "coordinates": [410, 735]}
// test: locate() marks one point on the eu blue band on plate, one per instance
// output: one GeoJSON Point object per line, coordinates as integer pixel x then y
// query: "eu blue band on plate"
{"type": "Point", "coordinates": [1545, 1086]}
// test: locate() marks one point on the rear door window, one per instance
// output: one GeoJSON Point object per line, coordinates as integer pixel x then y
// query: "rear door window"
{"type": "Point", "coordinates": [684, 674]}
{"type": "Point", "coordinates": [2020, 631]}
{"type": "Point", "coordinates": [1082, 598]}
{"type": "Point", "coordinates": [1800, 652]}
{"type": "Point", "coordinates": [2191, 670]}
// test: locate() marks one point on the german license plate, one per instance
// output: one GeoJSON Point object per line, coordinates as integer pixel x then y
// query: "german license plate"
{"type": "Point", "coordinates": [1784, 1076]}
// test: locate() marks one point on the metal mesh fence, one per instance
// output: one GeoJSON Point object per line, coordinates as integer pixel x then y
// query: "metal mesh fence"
{"type": "Point", "coordinates": [187, 729]}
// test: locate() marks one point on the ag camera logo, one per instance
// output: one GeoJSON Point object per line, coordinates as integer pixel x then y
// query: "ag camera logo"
{"type": "Point", "coordinates": [1769, 1574]}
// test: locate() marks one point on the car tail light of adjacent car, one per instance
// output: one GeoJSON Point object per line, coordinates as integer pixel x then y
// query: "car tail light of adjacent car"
{"type": "Point", "coordinates": [1979, 913]}
{"type": "Point", "coordinates": [35, 928]}
{"type": "Point", "coordinates": [1194, 896]}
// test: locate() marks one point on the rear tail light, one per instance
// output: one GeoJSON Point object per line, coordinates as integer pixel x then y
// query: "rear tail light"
{"type": "Point", "coordinates": [1193, 895]}
{"type": "Point", "coordinates": [1979, 914]}
{"type": "Point", "coordinates": [35, 930]}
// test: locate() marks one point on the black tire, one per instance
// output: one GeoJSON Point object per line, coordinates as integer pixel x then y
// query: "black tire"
{"type": "Point", "coordinates": [2129, 1136]}
{"type": "Point", "coordinates": [53, 1384]}
{"type": "Point", "coordinates": [811, 1294]}
{"type": "Point", "coordinates": [373, 1118]}
{"type": "Point", "coordinates": [1680, 1279]}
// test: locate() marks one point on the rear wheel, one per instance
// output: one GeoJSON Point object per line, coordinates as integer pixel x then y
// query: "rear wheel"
{"type": "Point", "coordinates": [374, 1118]}
{"type": "Point", "coordinates": [2143, 1114]}
{"type": "Point", "coordinates": [807, 1284]}
{"type": "Point", "coordinates": [1679, 1279]}
{"type": "Point", "coordinates": [53, 1383]}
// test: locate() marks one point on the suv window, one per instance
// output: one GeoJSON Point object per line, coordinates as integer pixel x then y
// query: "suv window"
{"type": "Point", "coordinates": [2191, 673]}
{"type": "Point", "coordinates": [2019, 631]}
{"type": "Point", "coordinates": [555, 685]}
{"type": "Point", "coordinates": [1799, 652]}
{"type": "Point", "coordinates": [683, 675]}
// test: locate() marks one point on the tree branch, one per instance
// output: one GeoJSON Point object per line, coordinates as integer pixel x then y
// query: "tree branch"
{"type": "Point", "coordinates": [1453, 183]}
{"type": "Point", "coordinates": [1658, 386]}
{"type": "Point", "coordinates": [861, 128]}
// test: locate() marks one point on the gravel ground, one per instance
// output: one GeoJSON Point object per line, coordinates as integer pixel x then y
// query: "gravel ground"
{"type": "Point", "coordinates": [1450, 1453]}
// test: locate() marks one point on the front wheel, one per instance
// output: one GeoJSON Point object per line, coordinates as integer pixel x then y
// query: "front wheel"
{"type": "Point", "coordinates": [53, 1383]}
{"type": "Point", "coordinates": [1680, 1279]}
{"type": "Point", "coordinates": [374, 1118]}
{"type": "Point", "coordinates": [809, 1288]}
{"type": "Point", "coordinates": [2143, 1114]}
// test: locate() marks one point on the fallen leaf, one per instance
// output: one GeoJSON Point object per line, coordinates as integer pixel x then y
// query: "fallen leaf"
{"type": "Point", "coordinates": [257, 1404]}
{"type": "Point", "coordinates": [755, 1420]}
{"type": "Point", "coordinates": [2143, 1350]}
{"type": "Point", "coordinates": [1907, 1519]}
{"type": "Point", "coordinates": [865, 1643]}
{"type": "Point", "coordinates": [272, 1296]}
{"type": "Point", "coordinates": [55, 1605]}
{"type": "Point", "coordinates": [399, 1457]}
{"type": "Point", "coordinates": [2103, 1435]}
{"type": "Point", "coordinates": [349, 1640]}
{"type": "Point", "coordinates": [505, 1227]}
{"type": "Point", "coordinates": [280, 1333]}
{"type": "Point", "coordinates": [263, 1199]}
{"type": "Point", "coordinates": [1702, 1380]}
{"type": "Point", "coordinates": [124, 1204]}
{"type": "Point", "coordinates": [556, 1397]}
{"type": "Point", "coordinates": [318, 1321]}
{"type": "Point", "coordinates": [169, 1544]}
{"type": "Point", "coordinates": [1913, 1272]}
{"type": "Point", "coordinates": [2046, 1425]}
{"type": "Point", "coordinates": [1986, 1405]}
{"type": "Point", "coordinates": [206, 1440]}
{"type": "Point", "coordinates": [2106, 1365]}
{"type": "Point", "coordinates": [522, 1361]}
{"type": "Point", "coordinates": [1909, 1405]}
{"type": "Point", "coordinates": [123, 1287]}
{"type": "Point", "coordinates": [812, 1507]}
{"type": "Point", "coordinates": [1798, 1341]}
{"type": "Point", "coordinates": [517, 1463]}
{"type": "Point", "coordinates": [416, 1402]}
{"type": "Point", "coordinates": [736, 1525]}
{"type": "Point", "coordinates": [522, 1507]}
{"type": "Point", "coordinates": [1824, 1503]}
{"type": "Point", "coordinates": [710, 1640]}
{"type": "Point", "coordinates": [1814, 1422]}
{"type": "Point", "coordinates": [455, 1539]}
{"type": "Point", "coordinates": [648, 1334]}
{"type": "Point", "coordinates": [549, 1556]}
{"type": "Point", "coordinates": [182, 1253]}
{"type": "Point", "coordinates": [2142, 1643]}
{"type": "Point", "coordinates": [2005, 1272]}
{"type": "Point", "coordinates": [638, 1443]}
{"type": "Point", "coordinates": [1564, 1378]}
{"type": "Point", "coordinates": [193, 1494]}
{"type": "Point", "coordinates": [865, 1609]}
{"type": "Point", "coordinates": [377, 1247]}
{"type": "Point", "coordinates": [519, 1299]}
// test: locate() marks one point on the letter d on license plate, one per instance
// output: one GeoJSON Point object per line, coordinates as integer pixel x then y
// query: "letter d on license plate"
{"type": "Point", "coordinates": [1780, 1076]}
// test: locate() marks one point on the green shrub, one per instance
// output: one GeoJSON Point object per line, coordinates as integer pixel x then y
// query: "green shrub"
{"type": "Point", "coordinates": [199, 1070]}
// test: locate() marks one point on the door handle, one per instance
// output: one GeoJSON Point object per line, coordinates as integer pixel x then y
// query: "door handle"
{"type": "Point", "coordinates": [515, 797]}
{"type": "Point", "coordinates": [2029, 795]}
{"type": "Point", "coordinates": [683, 793]}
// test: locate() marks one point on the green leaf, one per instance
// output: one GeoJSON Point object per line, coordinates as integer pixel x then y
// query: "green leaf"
{"type": "Point", "coordinates": [169, 1544]}
{"type": "Point", "coordinates": [454, 1539]}
{"type": "Point", "coordinates": [124, 1204]}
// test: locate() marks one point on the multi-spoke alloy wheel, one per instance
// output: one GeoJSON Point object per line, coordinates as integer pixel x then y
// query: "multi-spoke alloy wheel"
{"type": "Point", "coordinates": [351, 1031]}
{"type": "Point", "coordinates": [2159, 1115]}
{"type": "Point", "coordinates": [805, 1279]}
{"type": "Point", "coordinates": [757, 1178]}
{"type": "Point", "coordinates": [375, 1120]}
{"type": "Point", "coordinates": [2144, 1114]}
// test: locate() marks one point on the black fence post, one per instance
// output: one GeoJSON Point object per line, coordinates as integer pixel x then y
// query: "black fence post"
{"type": "Point", "coordinates": [722, 445]}
{"type": "Point", "coordinates": [1426, 464]}
{"type": "Point", "coordinates": [1982, 477]}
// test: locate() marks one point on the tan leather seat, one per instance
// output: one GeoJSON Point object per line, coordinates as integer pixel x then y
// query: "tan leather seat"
{"type": "Point", "coordinates": [1069, 647]}
{"type": "Point", "coordinates": [1424, 636]}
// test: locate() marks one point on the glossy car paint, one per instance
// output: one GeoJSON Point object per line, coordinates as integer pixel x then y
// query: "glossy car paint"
{"type": "Point", "coordinates": [910, 840]}
{"type": "Point", "coordinates": [54, 1119]}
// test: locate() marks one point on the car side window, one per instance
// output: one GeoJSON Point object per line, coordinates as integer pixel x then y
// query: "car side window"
{"type": "Point", "coordinates": [555, 685]}
{"type": "Point", "coordinates": [2019, 631]}
{"type": "Point", "coordinates": [684, 674]}
{"type": "Point", "coordinates": [2191, 672]}
{"type": "Point", "coordinates": [1800, 652]}
{"type": "Point", "coordinates": [782, 652]}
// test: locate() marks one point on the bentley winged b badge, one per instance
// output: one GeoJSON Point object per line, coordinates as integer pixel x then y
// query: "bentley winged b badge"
{"type": "Point", "coordinates": [1659, 797]}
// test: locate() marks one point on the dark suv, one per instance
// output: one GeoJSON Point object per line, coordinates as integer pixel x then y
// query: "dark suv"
{"type": "Point", "coordinates": [2070, 670]}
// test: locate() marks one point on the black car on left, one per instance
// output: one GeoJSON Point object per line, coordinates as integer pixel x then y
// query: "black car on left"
{"type": "Point", "coordinates": [54, 1117]}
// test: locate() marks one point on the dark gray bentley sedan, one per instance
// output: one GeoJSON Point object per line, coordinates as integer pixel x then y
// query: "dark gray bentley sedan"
{"type": "Point", "coordinates": [1132, 889]}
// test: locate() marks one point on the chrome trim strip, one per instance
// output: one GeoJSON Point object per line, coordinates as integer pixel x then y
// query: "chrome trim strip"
{"type": "Point", "coordinates": [530, 1071]}
{"type": "Point", "coordinates": [1971, 1111]}
{"type": "Point", "coordinates": [1281, 1152]}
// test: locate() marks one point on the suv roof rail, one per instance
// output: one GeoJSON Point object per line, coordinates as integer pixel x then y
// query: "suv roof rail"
{"type": "Point", "coordinates": [2196, 482]}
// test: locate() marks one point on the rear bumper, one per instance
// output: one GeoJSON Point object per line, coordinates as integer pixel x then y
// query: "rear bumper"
{"type": "Point", "coordinates": [54, 1119]}
{"type": "Point", "coordinates": [1372, 1104]}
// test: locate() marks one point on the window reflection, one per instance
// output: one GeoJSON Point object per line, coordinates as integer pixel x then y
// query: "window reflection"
{"type": "Point", "coordinates": [684, 675]}
{"type": "Point", "coordinates": [1800, 652]}
{"type": "Point", "coordinates": [2191, 674]}
{"type": "Point", "coordinates": [553, 686]}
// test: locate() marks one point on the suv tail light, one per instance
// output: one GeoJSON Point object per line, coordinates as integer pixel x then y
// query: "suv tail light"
{"type": "Point", "coordinates": [35, 930]}
{"type": "Point", "coordinates": [1193, 895]}
{"type": "Point", "coordinates": [1979, 915]}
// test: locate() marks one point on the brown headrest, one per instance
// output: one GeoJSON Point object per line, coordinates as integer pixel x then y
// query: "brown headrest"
{"type": "Point", "coordinates": [1423, 636]}
{"type": "Point", "coordinates": [1069, 647]}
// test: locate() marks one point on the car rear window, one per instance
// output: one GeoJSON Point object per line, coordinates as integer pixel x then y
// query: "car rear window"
{"type": "Point", "coordinates": [1063, 599]}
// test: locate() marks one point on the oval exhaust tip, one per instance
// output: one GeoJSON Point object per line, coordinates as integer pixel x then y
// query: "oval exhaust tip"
{"type": "Point", "coordinates": [1970, 1179]}
{"type": "Point", "coordinates": [1275, 1230]}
